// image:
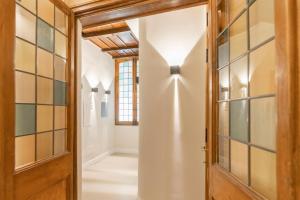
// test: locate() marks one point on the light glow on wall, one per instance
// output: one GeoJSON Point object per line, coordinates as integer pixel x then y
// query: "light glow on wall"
{"type": "Point", "coordinates": [175, 25]}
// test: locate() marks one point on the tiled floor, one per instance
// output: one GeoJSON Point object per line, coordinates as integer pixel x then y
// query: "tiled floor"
{"type": "Point", "coordinates": [113, 178]}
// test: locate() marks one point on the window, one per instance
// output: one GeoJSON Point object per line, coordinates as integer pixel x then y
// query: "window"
{"type": "Point", "coordinates": [126, 92]}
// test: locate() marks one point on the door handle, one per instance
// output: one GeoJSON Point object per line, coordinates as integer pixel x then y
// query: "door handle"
{"type": "Point", "coordinates": [203, 148]}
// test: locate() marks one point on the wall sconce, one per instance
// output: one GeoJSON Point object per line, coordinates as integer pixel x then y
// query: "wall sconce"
{"type": "Point", "coordinates": [175, 69]}
{"type": "Point", "coordinates": [95, 90]}
{"type": "Point", "coordinates": [108, 92]}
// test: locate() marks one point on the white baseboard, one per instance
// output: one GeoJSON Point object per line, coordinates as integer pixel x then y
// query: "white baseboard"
{"type": "Point", "coordinates": [126, 151]}
{"type": "Point", "coordinates": [96, 159]}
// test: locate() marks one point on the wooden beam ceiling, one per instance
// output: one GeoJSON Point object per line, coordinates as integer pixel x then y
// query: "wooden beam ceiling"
{"type": "Point", "coordinates": [105, 32]}
{"type": "Point", "coordinates": [120, 10]}
{"type": "Point", "coordinates": [125, 56]}
{"type": "Point", "coordinates": [120, 48]}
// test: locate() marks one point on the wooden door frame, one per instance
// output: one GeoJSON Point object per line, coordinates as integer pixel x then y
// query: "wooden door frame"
{"type": "Point", "coordinates": [9, 178]}
{"type": "Point", "coordinates": [287, 23]}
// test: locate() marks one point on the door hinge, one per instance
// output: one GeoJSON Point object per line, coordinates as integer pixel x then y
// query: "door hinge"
{"type": "Point", "coordinates": [207, 19]}
{"type": "Point", "coordinates": [206, 55]}
{"type": "Point", "coordinates": [206, 135]}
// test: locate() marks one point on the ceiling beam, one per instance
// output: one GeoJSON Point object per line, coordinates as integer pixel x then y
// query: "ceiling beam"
{"type": "Point", "coordinates": [105, 32]}
{"type": "Point", "coordinates": [126, 56]}
{"type": "Point", "coordinates": [100, 16]}
{"type": "Point", "coordinates": [120, 48]}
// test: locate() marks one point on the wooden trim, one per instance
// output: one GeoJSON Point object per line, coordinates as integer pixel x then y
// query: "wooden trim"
{"type": "Point", "coordinates": [288, 98]}
{"type": "Point", "coordinates": [102, 16]}
{"type": "Point", "coordinates": [105, 32]}
{"type": "Point", "coordinates": [117, 91]}
{"type": "Point", "coordinates": [7, 100]}
{"type": "Point", "coordinates": [120, 48]}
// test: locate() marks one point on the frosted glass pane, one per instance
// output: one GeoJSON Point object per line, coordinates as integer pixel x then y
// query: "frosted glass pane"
{"type": "Point", "coordinates": [45, 36]}
{"type": "Point", "coordinates": [239, 78]}
{"type": "Point", "coordinates": [60, 69]}
{"type": "Point", "coordinates": [263, 122]}
{"type": "Point", "coordinates": [262, 70]}
{"type": "Point", "coordinates": [263, 172]}
{"type": "Point", "coordinates": [44, 90]}
{"type": "Point", "coordinates": [223, 50]}
{"type": "Point", "coordinates": [235, 7]}
{"type": "Point", "coordinates": [46, 11]}
{"type": "Point", "coordinates": [24, 56]}
{"type": "Point", "coordinates": [44, 63]}
{"type": "Point", "coordinates": [60, 92]}
{"type": "Point", "coordinates": [239, 120]}
{"type": "Point", "coordinates": [238, 37]}
{"type": "Point", "coordinates": [224, 118]}
{"type": "Point", "coordinates": [239, 160]}
{"type": "Point", "coordinates": [224, 83]}
{"type": "Point", "coordinates": [60, 117]}
{"type": "Point", "coordinates": [44, 145]}
{"type": "Point", "coordinates": [25, 24]}
{"type": "Point", "coordinates": [24, 150]}
{"type": "Point", "coordinates": [25, 88]}
{"type": "Point", "coordinates": [44, 118]}
{"type": "Point", "coordinates": [60, 142]}
{"type": "Point", "coordinates": [61, 21]}
{"type": "Point", "coordinates": [224, 152]}
{"type": "Point", "coordinates": [262, 26]}
{"type": "Point", "coordinates": [29, 4]}
{"type": "Point", "coordinates": [60, 44]}
{"type": "Point", "coordinates": [25, 119]}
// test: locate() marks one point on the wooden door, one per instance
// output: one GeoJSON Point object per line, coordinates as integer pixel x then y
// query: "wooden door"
{"type": "Point", "coordinates": [37, 100]}
{"type": "Point", "coordinates": [253, 101]}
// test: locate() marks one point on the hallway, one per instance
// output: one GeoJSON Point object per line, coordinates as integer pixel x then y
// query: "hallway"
{"type": "Point", "coordinates": [113, 178]}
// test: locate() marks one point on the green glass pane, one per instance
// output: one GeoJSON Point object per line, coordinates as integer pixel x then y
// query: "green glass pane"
{"type": "Point", "coordinates": [25, 119]}
{"type": "Point", "coordinates": [45, 36]}
{"type": "Point", "coordinates": [239, 120]}
{"type": "Point", "coordinates": [60, 90]}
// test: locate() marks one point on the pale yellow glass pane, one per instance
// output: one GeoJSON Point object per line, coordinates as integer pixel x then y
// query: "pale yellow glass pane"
{"type": "Point", "coordinates": [44, 90]}
{"type": "Point", "coordinates": [29, 4]}
{"type": "Point", "coordinates": [60, 117]}
{"type": "Point", "coordinates": [24, 150]}
{"type": "Point", "coordinates": [263, 122]}
{"type": "Point", "coordinates": [263, 172]}
{"type": "Point", "coordinates": [60, 142]}
{"type": "Point", "coordinates": [44, 145]}
{"type": "Point", "coordinates": [60, 69]}
{"type": "Point", "coordinates": [239, 78]}
{"type": "Point", "coordinates": [238, 37]}
{"type": "Point", "coordinates": [222, 15]}
{"type": "Point", "coordinates": [61, 21]}
{"type": "Point", "coordinates": [44, 118]}
{"type": "Point", "coordinates": [25, 88]}
{"type": "Point", "coordinates": [44, 63]}
{"type": "Point", "coordinates": [223, 118]}
{"type": "Point", "coordinates": [25, 24]}
{"type": "Point", "coordinates": [239, 160]}
{"type": "Point", "coordinates": [262, 25]}
{"type": "Point", "coordinates": [60, 44]}
{"type": "Point", "coordinates": [262, 70]}
{"type": "Point", "coordinates": [46, 11]}
{"type": "Point", "coordinates": [24, 56]}
{"type": "Point", "coordinates": [235, 8]}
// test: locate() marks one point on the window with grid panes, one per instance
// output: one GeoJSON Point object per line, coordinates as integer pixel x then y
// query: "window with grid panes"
{"type": "Point", "coordinates": [246, 101]}
{"type": "Point", "coordinates": [40, 81]}
{"type": "Point", "coordinates": [126, 92]}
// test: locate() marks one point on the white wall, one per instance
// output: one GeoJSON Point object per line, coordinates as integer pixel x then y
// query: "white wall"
{"type": "Point", "coordinates": [172, 119]}
{"type": "Point", "coordinates": [100, 136]}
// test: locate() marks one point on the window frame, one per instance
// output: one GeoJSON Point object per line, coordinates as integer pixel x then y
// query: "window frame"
{"type": "Point", "coordinates": [134, 121]}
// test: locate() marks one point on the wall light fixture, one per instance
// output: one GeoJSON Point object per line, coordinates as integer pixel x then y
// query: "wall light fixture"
{"type": "Point", "coordinates": [175, 69]}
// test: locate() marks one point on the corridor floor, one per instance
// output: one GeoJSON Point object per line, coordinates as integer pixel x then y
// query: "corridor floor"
{"type": "Point", "coordinates": [113, 178]}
